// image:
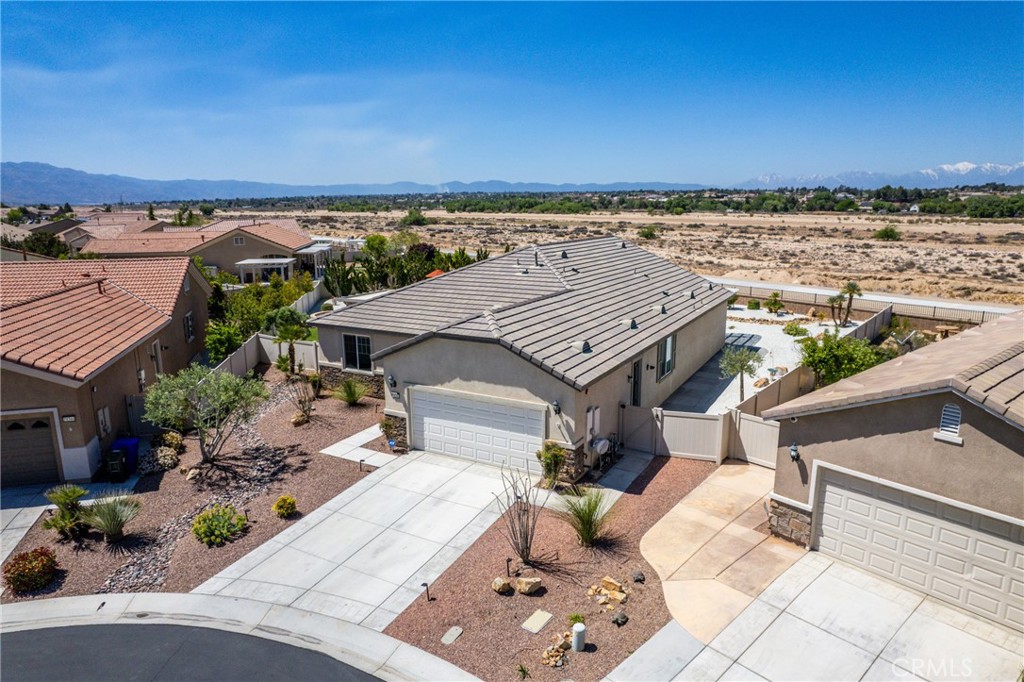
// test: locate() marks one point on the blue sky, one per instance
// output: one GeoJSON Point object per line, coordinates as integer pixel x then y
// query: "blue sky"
{"type": "Point", "coordinates": [328, 93]}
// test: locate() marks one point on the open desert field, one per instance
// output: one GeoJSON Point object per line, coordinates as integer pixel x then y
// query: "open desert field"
{"type": "Point", "coordinates": [950, 257]}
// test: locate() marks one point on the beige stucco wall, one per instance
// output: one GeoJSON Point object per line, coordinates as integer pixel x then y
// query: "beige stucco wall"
{"type": "Point", "coordinates": [180, 351]}
{"type": "Point", "coordinates": [478, 367]}
{"type": "Point", "coordinates": [894, 441]}
{"type": "Point", "coordinates": [333, 347]}
{"type": "Point", "coordinates": [223, 252]}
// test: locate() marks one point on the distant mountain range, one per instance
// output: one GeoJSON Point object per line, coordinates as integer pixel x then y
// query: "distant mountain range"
{"type": "Point", "coordinates": [32, 183]}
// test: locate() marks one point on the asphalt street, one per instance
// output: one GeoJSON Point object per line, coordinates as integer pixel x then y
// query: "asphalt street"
{"type": "Point", "coordinates": [140, 653]}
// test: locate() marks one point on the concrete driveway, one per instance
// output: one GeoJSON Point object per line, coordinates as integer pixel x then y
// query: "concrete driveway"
{"type": "Point", "coordinates": [824, 620]}
{"type": "Point", "coordinates": [363, 556]}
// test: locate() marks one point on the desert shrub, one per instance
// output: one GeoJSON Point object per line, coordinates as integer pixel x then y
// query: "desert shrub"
{"type": "Point", "coordinates": [32, 570]}
{"type": "Point", "coordinates": [648, 232]}
{"type": "Point", "coordinates": [588, 516]}
{"type": "Point", "coordinates": [283, 363]}
{"type": "Point", "coordinates": [158, 459]}
{"type": "Point", "coordinates": [576, 618]}
{"type": "Point", "coordinates": [113, 510]}
{"type": "Point", "coordinates": [316, 382]}
{"type": "Point", "coordinates": [169, 439]}
{"type": "Point", "coordinates": [67, 520]}
{"type": "Point", "coordinates": [351, 391]}
{"type": "Point", "coordinates": [732, 300]}
{"type": "Point", "coordinates": [889, 233]}
{"type": "Point", "coordinates": [285, 506]}
{"type": "Point", "coordinates": [552, 457]}
{"type": "Point", "coordinates": [774, 303]}
{"type": "Point", "coordinates": [793, 328]}
{"type": "Point", "coordinates": [218, 524]}
{"type": "Point", "coordinates": [326, 307]}
{"type": "Point", "coordinates": [753, 304]}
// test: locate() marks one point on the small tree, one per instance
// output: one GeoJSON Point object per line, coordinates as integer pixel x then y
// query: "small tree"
{"type": "Point", "coordinates": [739, 360]}
{"type": "Point", "coordinates": [206, 209]}
{"type": "Point", "coordinates": [835, 307]}
{"type": "Point", "coordinates": [836, 357]}
{"type": "Point", "coordinates": [222, 340]}
{"type": "Point", "coordinates": [213, 403]}
{"type": "Point", "coordinates": [850, 289]}
{"type": "Point", "coordinates": [151, 213]}
{"type": "Point", "coordinates": [290, 333]}
{"type": "Point", "coordinates": [218, 305]}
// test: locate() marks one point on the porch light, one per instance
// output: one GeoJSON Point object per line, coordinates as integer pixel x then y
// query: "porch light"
{"type": "Point", "coordinates": [391, 381]}
{"type": "Point", "coordinates": [556, 407]}
{"type": "Point", "coordinates": [794, 452]}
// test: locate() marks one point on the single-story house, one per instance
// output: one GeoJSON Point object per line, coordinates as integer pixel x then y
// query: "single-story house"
{"type": "Point", "coordinates": [543, 343]}
{"type": "Point", "coordinates": [80, 341]}
{"type": "Point", "coordinates": [914, 469]}
{"type": "Point", "coordinates": [253, 252]}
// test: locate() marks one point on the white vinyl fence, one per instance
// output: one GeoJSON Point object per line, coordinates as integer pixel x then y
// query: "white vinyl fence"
{"type": "Point", "coordinates": [260, 348]}
{"type": "Point", "coordinates": [307, 302]}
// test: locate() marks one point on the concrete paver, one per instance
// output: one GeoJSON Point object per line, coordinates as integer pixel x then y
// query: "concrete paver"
{"type": "Point", "coordinates": [791, 649]}
{"type": "Point", "coordinates": [662, 657]}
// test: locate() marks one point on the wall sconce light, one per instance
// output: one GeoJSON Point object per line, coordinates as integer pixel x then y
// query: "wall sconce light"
{"type": "Point", "coordinates": [556, 407]}
{"type": "Point", "coordinates": [391, 381]}
{"type": "Point", "coordinates": [794, 452]}
{"type": "Point", "coordinates": [650, 367]}
{"type": "Point", "coordinates": [165, 347]}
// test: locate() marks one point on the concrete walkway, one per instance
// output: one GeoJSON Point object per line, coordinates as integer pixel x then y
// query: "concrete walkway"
{"type": "Point", "coordinates": [360, 647]}
{"type": "Point", "coordinates": [363, 557]}
{"type": "Point", "coordinates": [824, 620]}
{"type": "Point", "coordinates": [711, 562]}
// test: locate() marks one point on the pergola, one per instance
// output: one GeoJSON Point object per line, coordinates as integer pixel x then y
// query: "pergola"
{"type": "Point", "coordinates": [316, 254]}
{"type": "Point", "coordinates": [255, 269]}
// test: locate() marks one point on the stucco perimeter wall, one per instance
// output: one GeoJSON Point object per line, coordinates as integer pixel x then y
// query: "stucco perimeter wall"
{"type": "Point", "coordinates": [894, 441]}
{"type": "Point", "coordinates": [482, 368]}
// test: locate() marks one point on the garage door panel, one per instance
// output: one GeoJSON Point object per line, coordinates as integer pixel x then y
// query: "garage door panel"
{"type": "Point", "coordinates": [963, 557]}
{"type": "Point", "coordinates": [28, 452]}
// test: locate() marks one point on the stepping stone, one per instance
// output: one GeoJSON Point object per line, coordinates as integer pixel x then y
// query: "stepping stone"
{"type": "Point", "coordinates": [537, 621]}
{"type": "Point", "coordinates": [452, 634]}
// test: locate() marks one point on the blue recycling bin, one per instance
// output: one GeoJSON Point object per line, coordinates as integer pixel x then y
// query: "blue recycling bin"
{"type": "Point", "coordinates": [130, 446]}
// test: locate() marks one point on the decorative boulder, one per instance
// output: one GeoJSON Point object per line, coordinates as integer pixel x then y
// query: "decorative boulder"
{"type": "Point", "coordinates": [501, 585]}
{"type": "Point", "coordinates": [761, 383]}
{"type": "Point", "coordinates": [527, 585]}
{"type": "Point", "coordinates": [620, 619]}
{"type": "Point", "coordinates": [639, 577]}
{"type": "Point", "coordinates": [611, 584]}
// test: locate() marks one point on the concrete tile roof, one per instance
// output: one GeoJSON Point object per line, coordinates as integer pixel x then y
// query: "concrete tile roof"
{"type": "Point", "coordinates": [160, 243]}
{"type": "Point", "coordinates": [537, 303]}
{"type": "Point", "coordinates": [225, 224]}
{"type": "Point", "coordinates": [156, 281]}
{"type": "Point", "coordinates": [985, 364]}
{"type": "Point", "coordinates": [78, 330]}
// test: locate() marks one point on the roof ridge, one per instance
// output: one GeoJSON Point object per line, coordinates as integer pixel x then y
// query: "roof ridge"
{"type": "Point", "coordinates": [547, 263]}
{"type": "Point", "coordinates": [73, 287]}
{"type": "Point", "coordinates": [492, 324]}
{"type": "Point", "coordinates": [991, 361]}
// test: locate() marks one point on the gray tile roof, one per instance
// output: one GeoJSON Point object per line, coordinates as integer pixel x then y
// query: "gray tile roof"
{"type": "Point", "coordinates": [536, 303]}
{"type": "Point", "coordinates": [985, 364]}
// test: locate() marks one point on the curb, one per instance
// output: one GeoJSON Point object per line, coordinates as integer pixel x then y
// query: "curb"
{"type": "Point", "coordinates": [368, 650]}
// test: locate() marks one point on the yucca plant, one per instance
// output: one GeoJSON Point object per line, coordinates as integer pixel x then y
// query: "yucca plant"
{"type": "Point", "coordinates": [111, 512]}
{"type": "Point", "coordinates": [351, 391]}
{"type": "Point", "coordinates": [588, 516]}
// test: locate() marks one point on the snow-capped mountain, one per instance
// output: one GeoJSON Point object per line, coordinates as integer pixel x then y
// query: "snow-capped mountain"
{"type": "Point", "coordinates": [945, 175]}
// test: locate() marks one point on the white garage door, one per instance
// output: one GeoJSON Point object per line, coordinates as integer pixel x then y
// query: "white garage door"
{"type": "Point", "coordinates": [483, 430]}
{"type": "Point", "coordinates": [968, 559]}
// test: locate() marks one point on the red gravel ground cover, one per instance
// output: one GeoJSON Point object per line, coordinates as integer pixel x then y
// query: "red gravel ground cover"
{"type": "Point", "coordinates": [493, 643]}
{"type": "Point", "coordinates": [311, 478]}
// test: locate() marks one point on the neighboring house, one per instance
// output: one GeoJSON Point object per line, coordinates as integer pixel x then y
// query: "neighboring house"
{"type": "Point", "coordinates": [252, 252]}
{"type": "Point", "coordinates": [55, 227]}
{"type": "Point", "coordinates": [914, 469]}
{"type": "Point", "coordinates": [9, 254]}
{"type": "Point", "coordinates": [79, 343]}
{"type": "Point", "coordinates": [544, 343]}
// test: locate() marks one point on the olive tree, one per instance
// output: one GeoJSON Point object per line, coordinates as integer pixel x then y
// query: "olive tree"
{"type": "Point", "coordinates": [211, 402]}
{"type": "Point", "coordinates": [739, 360]}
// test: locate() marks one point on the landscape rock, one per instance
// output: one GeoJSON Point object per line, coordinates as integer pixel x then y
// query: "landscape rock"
{"type": "Point", "coordinates": [761, 383]}
{"type": "Point", "coordinates": [611, 584]}
{"type": "Point", "coordinates": [501, 585]}
{"type": "Point", "coordinates": [639, 577]}
{"type": "Point", "coordinates": [619, 597]}
{"type": "Point", "coordinates": [528, 585]}
{"type": "Point", "coordinates": [620, 619]}
{"type": "Point", "coordinates": [192, 474]}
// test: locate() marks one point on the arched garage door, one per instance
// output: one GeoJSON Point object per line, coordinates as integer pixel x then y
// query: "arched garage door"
{"type": "Point", "coordinates": [478, 428]}
{"type": "Point", "coordinates": [968, 559]}
{"type": "Point", "coordinates": [28, 451]}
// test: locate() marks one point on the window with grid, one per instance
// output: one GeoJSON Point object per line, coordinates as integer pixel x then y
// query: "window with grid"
{"type": "Point", "coordinates": [239, 241]}
{"type": "Point", "coordinates": [357, 352]}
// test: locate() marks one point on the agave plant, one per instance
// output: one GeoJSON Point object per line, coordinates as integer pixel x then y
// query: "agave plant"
{"type": "Point", "coordinates": [111, 512]}
{"type": "Point", "coordinates": [351, 391]}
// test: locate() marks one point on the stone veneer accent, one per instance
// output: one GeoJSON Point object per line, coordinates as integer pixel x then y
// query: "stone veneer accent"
{"type": "Point", "coordinates": [575, 465]}
{"type": "Point", "coordinates": [789, 523]}
{"type": "Point", "coordinates": [402, 428]}
{"type": "Point", "coordinates": [332, 376]}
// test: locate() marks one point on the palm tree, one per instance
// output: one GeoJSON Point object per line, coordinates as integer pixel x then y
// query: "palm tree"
{"type": "Point", "coordinates": [835, 306]}
{"type": "Point", "coordinates": [739, 360]}
{"type": "Point", "coordinates": [290, 333]}
{"type": "Point", "coordinates": [850, 290]}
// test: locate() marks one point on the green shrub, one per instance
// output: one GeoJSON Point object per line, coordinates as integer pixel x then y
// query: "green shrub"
{"type": "Point", "coordinates": [67, 520]}
{"type": "Point", "coordinates": [169, 439]}
{"type": "Point", "coordinates": [732, 300]}
{"type": "Point", "coordinates": [285, 506]}
{"type": "Point", "coordinates": [889, 233]}
{"type": "Point", "coordinates": [218, 525]}
{"type": "Point", "coordinates": [351, 391]}
{"type": "Point", "coordinates": [32, 570]}
{"type": "Point", "coordinates": [552, 457]}
{"type": "Point", "coordinates": [326, 307]}
{"type": "Point", "coordinates": [588, 516]}
{"type": "Point", "coordinates": [753, 304]}
{"type": "Point", "coordinates": [648, 232]}
{"type": "Point", "coordinates": [793, 328]}
{"type": "Point", "coordinates": [576, 618]}
{"type": "Point", "coordinates": [773, 303]}
{"type": "Point", "coordinates": [316, 382]}
{"type": "Point", "coordinates": [111, 511]}
{"type": "Point", "coordinates": [283, 363]}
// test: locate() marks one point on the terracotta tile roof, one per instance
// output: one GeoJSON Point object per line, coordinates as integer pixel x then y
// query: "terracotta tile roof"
{"type": "Point", "coordinates": [156, 281]}
{"type": "Point", "coordinates": [167, 243]}
{"type": "Point", "coordinates": [985, 364]}
{"type": "Point", "coordinates": [78, 330]}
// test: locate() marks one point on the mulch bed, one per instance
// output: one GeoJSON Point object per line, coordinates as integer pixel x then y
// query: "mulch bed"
{"type": "Point", "coordinates": [169, 500]}
{"type": "Point", "coordinates": [493, 643]}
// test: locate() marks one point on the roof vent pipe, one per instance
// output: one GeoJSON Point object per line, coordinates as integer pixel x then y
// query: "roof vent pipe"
{"type": "Point", "coordinates": [693, 295]}
{"type": "Point", "coordinates": [536, 259]}
{"type": "Point", "coordinates": [623, 244]}
{"type": "Point", "coordinates": [711, 285]}
{"type": "Point", "coordinates": [660, 309]}
{"type": "Point", "coordinates": [565, 255]}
